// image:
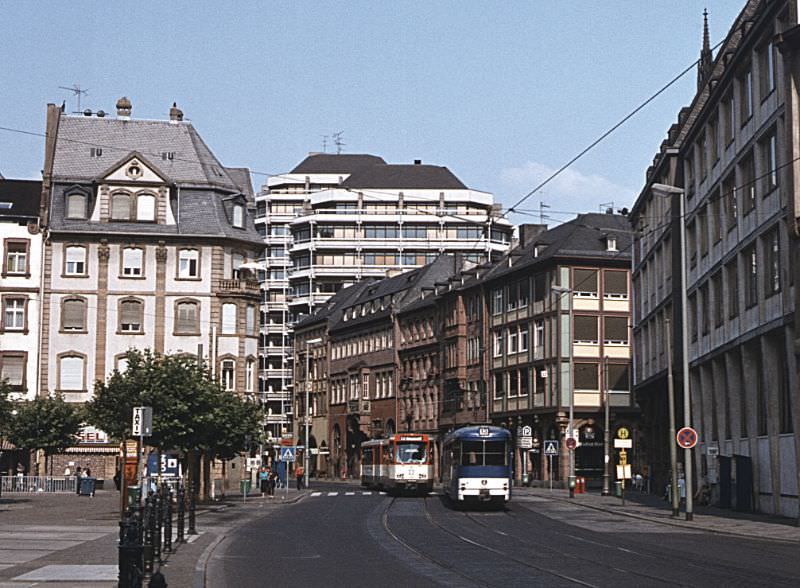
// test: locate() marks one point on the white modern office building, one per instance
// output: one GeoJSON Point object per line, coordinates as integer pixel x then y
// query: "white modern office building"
{"type": "Point", "coordinates": [336, 219]}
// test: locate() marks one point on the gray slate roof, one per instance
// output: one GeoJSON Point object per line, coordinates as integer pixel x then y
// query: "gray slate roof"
{"type": "Point", "coordinates": [24, 196]}
{"type": "Point", "coordinates": [336, 163]}
{"type": "Point", "coordinates": [192, 163]}
{"type": "Point", "coordinates": [404, 177]}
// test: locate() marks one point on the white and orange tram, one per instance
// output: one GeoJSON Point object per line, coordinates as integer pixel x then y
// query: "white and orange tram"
{"type": "Point", "coordinates": [400, 462]}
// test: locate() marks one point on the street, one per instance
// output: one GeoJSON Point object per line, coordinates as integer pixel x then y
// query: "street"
{"type": "Point", "coordinates": [342, 535]}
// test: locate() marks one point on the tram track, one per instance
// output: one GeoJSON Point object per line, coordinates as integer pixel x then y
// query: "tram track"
{"type": "Point", "coordinates": [732, 574]}
{"type": "Point", "coordinates": [453, 569]}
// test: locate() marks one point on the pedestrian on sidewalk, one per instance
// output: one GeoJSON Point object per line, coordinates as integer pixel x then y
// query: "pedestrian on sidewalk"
{"type": "Point", "coordinates": [263, 479]}
{"type": "Point", "coordinates": [298, 473]}
{"type": "Point", "coordinates": [78, 480]}
{"type": "Point", "coordinates": [273, 478]}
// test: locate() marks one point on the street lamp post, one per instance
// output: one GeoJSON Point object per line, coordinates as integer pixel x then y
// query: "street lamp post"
{"type": "Point", "coordinates": [667, 190]}
{"type": "Point", "coordinates": [306, 413]}
{"type": "Point", "coordinates": [561, 290]}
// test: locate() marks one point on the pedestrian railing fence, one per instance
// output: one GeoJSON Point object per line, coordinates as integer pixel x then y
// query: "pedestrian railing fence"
{"type": "Point", "coordinates": [33, 484]}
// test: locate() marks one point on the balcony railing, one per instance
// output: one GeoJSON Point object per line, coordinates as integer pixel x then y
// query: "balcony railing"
{"type": "Point", "coordinates": [241, 287]}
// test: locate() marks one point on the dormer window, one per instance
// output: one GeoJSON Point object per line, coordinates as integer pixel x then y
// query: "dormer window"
{"type": "Point", "coordinates": [76, 206]}
{"type": "Point", "coordinates": [121, 207]}
{"type": "Point", "coordinates": [238, 216]}
{"type": "Point", "coordinates": [611, 243]}
{"type": "Point", "coordinates": [146, 208]}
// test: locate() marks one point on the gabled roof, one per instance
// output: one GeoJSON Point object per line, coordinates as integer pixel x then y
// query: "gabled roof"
{"type": "Point", "coordinates": [332, 310]}
{"type": "Point", "coordinates": [395, 176]}
{"type": "Point", "coordinates": [22, 196]}
{"type": "Point", "coordinates": [336, 163]}
{"type": "Point", "coordinates": [174, 148]}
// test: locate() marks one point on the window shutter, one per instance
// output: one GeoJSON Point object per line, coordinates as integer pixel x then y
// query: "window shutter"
{"type": "Point", "coordinates": [73, 314]}
{"type": "Point", "coordinates": [76, 254]}
{"type": "Point", "coordinates": [12, 369]}
{"type": "Point", "coordinates": [584, 280]}
{"type": "Point", "coordinates": [229, 319]}
{"type": "Point", "coordinates": [585, 328]}
{"type": "Point", "coordinates": [121, 207]}
{"type": "Point", "coordinates": [131, 262]}
{"type": "Point", "coordinates": [146, 208]}
{"type": "Point", "coordinates": [615, 282]}
{"type": "Point", "coordinates": [187, 317]}
{"type": "Point", "coordinates": [616, 328]}
{"type": "Point", "coordinates": [71, 373]}
{"type": "Point", "coordinates": [76, 206]}
{"type": "Point", "coordinates": [131, 314]}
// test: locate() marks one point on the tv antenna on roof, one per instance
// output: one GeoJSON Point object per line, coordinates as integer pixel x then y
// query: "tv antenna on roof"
{"type": "Point", "coordinates": [324, 143]}
{"type": "Point", "coordinates": [337, 140]}
{"type": "Point", "coordinates": [77, 91]}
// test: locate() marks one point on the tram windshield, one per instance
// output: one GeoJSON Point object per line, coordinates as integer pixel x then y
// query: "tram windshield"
{"type": "Point", "coordinates": [411, 452]}
{"type": "Point", "coordinates": [483, 453]}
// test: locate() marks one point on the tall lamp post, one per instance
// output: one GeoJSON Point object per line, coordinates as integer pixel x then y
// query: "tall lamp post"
{"type": "Point", "coordinates": [669, 191]}
{"type": "Point", "coordinates": [306, 413]}
{"type": "Point", "coordinates": [561, 290]}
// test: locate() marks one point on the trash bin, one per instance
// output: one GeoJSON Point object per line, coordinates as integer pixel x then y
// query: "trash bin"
{"type": "Point", "coordinates": [618, 489]}
{"type": "Point", "coordinates": [87, 486]}
{"type": "Point", "coordinates": [244, 487]}
{"type": "Point", "coordinates": [133, 496]}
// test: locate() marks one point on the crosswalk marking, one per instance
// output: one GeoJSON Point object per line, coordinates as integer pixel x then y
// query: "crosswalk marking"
{"type": "Point", "coordinates": [382, 493]}
{"type": "Point", "coordinates": [333, 493]}
{"type": "Point", "coordinates": [315, 494]}
{"type": "Point", "coordinates": [367, 493]}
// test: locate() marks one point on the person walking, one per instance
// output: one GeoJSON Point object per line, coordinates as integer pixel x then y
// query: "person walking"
{"type": "Point", "coordinates": [78, 480]}
{"type": "Point", "coordinates": [298, 473]}
{"type": "Point", "coordinates": [273, 478]}
{"type": "Point", "coordinates": [263, 480]}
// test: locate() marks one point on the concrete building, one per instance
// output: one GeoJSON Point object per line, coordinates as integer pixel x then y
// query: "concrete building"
{"type": "Point", "coordinates": [20, 283]}
{"type": "Point", "coordinates": [147, 233]}
{"type": "Point", "coordinates": [337, 219]}
{"type": "Point", "coordinates": [734, 153]}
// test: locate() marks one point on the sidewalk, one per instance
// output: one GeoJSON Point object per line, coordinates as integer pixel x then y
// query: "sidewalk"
{"type": "Point", "coordinates": [70, 540]}
{"type": "Point", "coordinates": [652, 508]}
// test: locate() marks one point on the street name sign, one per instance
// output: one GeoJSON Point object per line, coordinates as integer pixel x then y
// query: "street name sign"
{"type": "Point", "coordinates": [524, 442]}
{"type": "Point", "coordinates": [551, 447]}
{"type": "Point", "coordinates": [142, 425]}
{"type": "Point", "coordinates": [623, 443]}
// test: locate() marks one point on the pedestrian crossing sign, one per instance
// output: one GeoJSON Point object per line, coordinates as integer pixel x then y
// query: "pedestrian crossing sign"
{"type": "Point", "coordinates": [551, 447]}
{"type": "Point", "coordinates": [287, 453]}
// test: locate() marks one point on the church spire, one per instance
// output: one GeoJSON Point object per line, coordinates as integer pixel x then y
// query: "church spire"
{"type": "Point", "coordinates": [706, 61]}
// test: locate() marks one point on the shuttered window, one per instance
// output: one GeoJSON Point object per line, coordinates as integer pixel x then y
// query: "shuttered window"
{"type": "Point", "coordinates": [130, 312]}
{"type": "Point", "coordinates": [12, 369]}
{"type": "Point", "coordinates": [188, 263]}
{"type": "Point", "coordinates": [186, 317]}
{"type": "Point", "coordinates": [585, 329]}
{"type": "Point", "coordinates": [121, 207]}
{"type": "Point", "coordinates": [71, 373]}
{"type": "Point", "coordinates": [615, 329]}
{"type": "Point", "coordinates": [132, 262]}
{"type": "Point", "coordinates": [75, 261]}
{"type": "Point", "coordinates": [73, 315]}
{"type": "Point", "coordinates": [250, 319]}
{"type": "Point", "coordinates": [618, 377]}
{"type": "Point", "coordinates": [146, 208]}
{"type": "Point", "coordinates": [76, 206]}
{"type": "Point", "coordinates": [586, 376]}
{"type": "Point", "coordinates": [584, 282]}
{"type": "Point", "coordinates": [615, 284]}
{"type": "Point", "coordinates": [229, 319]}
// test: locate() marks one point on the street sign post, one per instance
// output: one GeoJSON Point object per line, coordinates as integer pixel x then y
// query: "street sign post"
{"type": "Point", "coordinates": [142, 426]}
{"type": "Point", "coordinates": [686, 437]}
{"type": "Point", "coordinates": [551, 449]}
{"type": "Point", "coordinates": [287, 455]}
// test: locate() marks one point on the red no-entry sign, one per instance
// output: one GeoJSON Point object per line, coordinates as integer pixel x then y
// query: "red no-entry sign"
{"type": "Point", "coordinates": [686, 437]}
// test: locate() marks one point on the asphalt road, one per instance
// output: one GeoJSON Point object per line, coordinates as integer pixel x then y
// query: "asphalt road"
{"type": "Point", "coordinates": [342, 536]}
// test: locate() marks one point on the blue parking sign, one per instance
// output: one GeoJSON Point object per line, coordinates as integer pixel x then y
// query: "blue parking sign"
{"type": "Point", "coordinates": [287, 453]}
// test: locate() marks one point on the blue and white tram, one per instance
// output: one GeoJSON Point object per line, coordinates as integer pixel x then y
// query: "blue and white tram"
{"type": "Point", "coordinates": [401, 462]}
{"type": "Point", "coordinates": [476, 465]}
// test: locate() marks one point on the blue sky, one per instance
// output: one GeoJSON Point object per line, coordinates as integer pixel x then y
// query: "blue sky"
{"type": "Point", "coordinates": [500, 92]}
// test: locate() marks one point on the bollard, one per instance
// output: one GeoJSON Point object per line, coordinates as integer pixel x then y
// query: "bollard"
{"type": "Point", "coordinates": [157, 581]}
{"type": "Point", "coordinates": [181, 512]}
{"type": "Point", "coordinates": [192, 509]}
{"type": "Point", "coordinates": [159, 520]}
{"type": "Point", "coordinates": [149, 530]}
{"type": "Point", "coordinates": [130, 553]}
{"type": "Point", "coordinates": [168, 522]}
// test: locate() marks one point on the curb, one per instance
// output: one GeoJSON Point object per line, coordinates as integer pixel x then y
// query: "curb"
{"type": "Point", "coordinates": [670, 523]}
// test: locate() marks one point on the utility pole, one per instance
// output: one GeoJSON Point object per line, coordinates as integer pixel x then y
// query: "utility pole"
{"type": "Point", "coordinates": [606, 433]}
{"type": "Point", "coordinates": [673, 450]}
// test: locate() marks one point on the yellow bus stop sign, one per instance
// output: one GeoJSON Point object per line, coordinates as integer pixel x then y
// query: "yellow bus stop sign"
{"type": "Point", "coordinates": [623, 433]}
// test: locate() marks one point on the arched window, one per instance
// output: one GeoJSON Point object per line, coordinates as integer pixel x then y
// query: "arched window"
{"type": "Point", "coordinates": [187, 317]}
{"type": "Point", "coordinates": [121, 207]}
{"type": "Point", "coordinates": [228, 374]}
{"type": "Point", "coordinates": [71, 372]}
{"type": "Point", "coordinates": [131, 313]}
{"type": "Point", "coordinates": [237, 259]}
{"type": "Point", "coordinates": [146, 208]}
{"type": "Point", "coordinates": [250, 375]}
{"type": "Point", "coordinates": [73, 314]}
{"type": "Point", "coordinates": [76, 206]}
{"type": "Point", "coordinates": [238, 216]}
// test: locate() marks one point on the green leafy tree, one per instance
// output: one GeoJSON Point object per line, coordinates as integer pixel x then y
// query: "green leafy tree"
{"type": "Point", "coordinates": [5, 407]}
{"type": "Point", "coordinates": [46, 423]}
{"type": "Point", "coordinates": [235, 424]}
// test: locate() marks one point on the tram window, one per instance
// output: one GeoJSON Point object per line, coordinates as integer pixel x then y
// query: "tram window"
{"type": "Point", "coordinates": [471, 453]}
{"type": "Point", "coordinates": [495, 454]}
{"type": "Point", "coordinates": [411, 452]}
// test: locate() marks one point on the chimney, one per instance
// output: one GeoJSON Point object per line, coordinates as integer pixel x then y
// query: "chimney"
{"type": "Point", "coordinates": [124, 108]}
{"type": "Point", "coordinates": [529, 232]}
{"type": "Point", "coordinates": [175, 114]}
{"type": "Point", "coordinates": [417, 162]}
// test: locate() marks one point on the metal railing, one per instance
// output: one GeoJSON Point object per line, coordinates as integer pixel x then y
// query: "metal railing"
{"type": "Point", "coordinates": [28, 484]}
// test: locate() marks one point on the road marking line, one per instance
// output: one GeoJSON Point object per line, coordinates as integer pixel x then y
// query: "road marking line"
{"type": "Point", "coordinates": [349, 493]}
{"type": "Point", "coordinates": [313, 494]}
{"type": "Point", "coordinates": [333, 494]}
{"type": "Point", "coordinates": [366, 493]}
{"type": "Point", "coordinates": [382, 493]}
